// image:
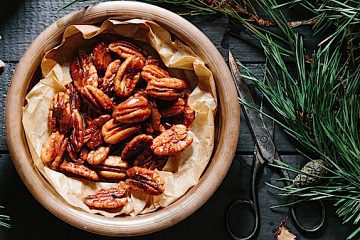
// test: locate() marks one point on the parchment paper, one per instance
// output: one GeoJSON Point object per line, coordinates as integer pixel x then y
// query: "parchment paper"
{"type": "Point", "coordinates": [182, 171]}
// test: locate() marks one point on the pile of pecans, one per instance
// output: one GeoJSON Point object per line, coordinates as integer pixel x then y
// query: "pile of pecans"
{"type": "Point", "coordinates": [120, 118]}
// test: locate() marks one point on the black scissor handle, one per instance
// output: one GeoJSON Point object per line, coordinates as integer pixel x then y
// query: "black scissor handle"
{"type": "Point", "coordinates": [304, 229]}
{"type": "Point", "coordinates": [254, 208]}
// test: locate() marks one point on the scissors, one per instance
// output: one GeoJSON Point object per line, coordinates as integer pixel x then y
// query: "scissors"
{"type": "Point", "coordinates": [265, 152]}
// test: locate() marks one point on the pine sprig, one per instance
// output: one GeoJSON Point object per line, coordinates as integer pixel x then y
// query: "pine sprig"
{"type": "Point", "coordinates": [4, 219]}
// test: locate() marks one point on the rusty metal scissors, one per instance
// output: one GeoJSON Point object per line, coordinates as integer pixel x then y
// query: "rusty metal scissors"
{"type": "Point", "coordinates": [265, 152]}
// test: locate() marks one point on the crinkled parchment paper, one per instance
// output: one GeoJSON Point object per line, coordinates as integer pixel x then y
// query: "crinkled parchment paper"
{"type": "Point", "coordinates": [182, 171]}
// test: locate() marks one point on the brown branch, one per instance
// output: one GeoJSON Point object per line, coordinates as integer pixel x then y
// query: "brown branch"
{"type": "Point", "coordinates": [256, 18]}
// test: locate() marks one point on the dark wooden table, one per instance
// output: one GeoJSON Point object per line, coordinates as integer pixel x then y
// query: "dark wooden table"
{"type": "Point", "coordinates": [20, 22]}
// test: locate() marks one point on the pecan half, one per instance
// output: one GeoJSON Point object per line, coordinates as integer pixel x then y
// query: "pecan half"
{"type": "Point", "coordinates": [166, 88]}
{"type": "Point", "coordinates": [134, 109]}
{"type": "Point", "coordinates": [77, 135]}
{"type": "Point", "coordinates": [101, 56]}
{"type": "Point", "coordinates": [147, 159]}
{"type": "Point", "coordinates": [77, 157]}
{"type": "Point", "coordinates": [174, 109]}
{"type": "Point", "coordinates": [126, 49]}
{"type": "Point", "coordinates": [145, 180]}
{"type": "Point", "coordinates": [155, 61]}
{"type": "Point", "coordinates": [97, 98]}
{"type": "Point", "coordinates": [108, 199]}
{"type": "Point", "coordinates": [113, 168]}
{"type": "Point", "coordinates": [59, 118]}
{"type": "Point", "coordinates": [80, 170]}
{"type": "Point", "coordinates": [75, 100]}
{"type": "Point", "coordinates": [53, 149]}
{"type": "Point", "coordinates": [128, 76]}
{"type": "Point", "coordinates": [107, 84]}
{"type": "Point", "coordinates": [83, 71]}
{"type": "Point", "coordinates": [97, 156]}
{"type": "Point", "coordinates": [171, 141]}
{"type": "Point", "coordinates": [113, 132]}
{"type": "Point", "coordinates": [155, 124]}
{"type": "Point", "coordinates": [136, 146]}
{"type": "Point", "coordinates": [153, 72]}
{"type": "Point", "coordinates": [92, 134]}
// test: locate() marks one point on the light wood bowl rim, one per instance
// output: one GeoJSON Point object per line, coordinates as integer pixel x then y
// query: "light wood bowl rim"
{"type": "Point", "coordinates": [196, 196]}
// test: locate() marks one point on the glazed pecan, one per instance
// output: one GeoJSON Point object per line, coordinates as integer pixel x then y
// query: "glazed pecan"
{"type": "Point", "coordinates": [101, 56]}
{"type": "Point", "coordinates": [171, 141]}
{"type": "Point", "coordinates": [189, 114]}
{"type": "Point", "coordinates": [153, 72]}
{"type": "Point", "coordinates": [166, 88]}
{"type": "Point", "coordinates": [134, 109]}
{"type": "Point", "coordinates": [113, 167]}
{"type": "Point", "coordinates": [53, 149]}
{"type": "Point", "coordinates": [175, 108]}
{"type": "Point", "coordinates": [83, 71]}
{"type": "Point", "coordinates": [113, 132]}
{"type": "Point", "coordinates": [96, 98]}
{"type": "Point", "coordinates": [80, 170]}
{"type": "Point", "coordinates": [75, 100]}
{"type": "Point", "coordinates": [155, 124]}
{"type": "Point", "coordinates": [136, 146]}
{"type": "Point", "coordinates": [77, 157]}
{"type": "Point", "coordinates": [145, 180]}
{"type": "Point", "coordinates": [108, 199]}
{"type": "Point", "coordinates": [128, 76]}
{"type": "Point", "coordinates": [107, 84]}
{"type": "Point", "coordinates": [147, 159]}
{"type": "Point", "coordinates": [97, 156]}
{"type": "Point", "coordinates": [126, 50]}
{"type": "Point", "coordinates": [77, 135]}
{"type": "Point", "coordinates": [59, 117]}
{"type": "Point", "coordinates": [155, 61]}
{"type": "Point", "coordinates": [92, 134]}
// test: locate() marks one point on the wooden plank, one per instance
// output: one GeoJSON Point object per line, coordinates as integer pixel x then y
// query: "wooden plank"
{"type": "Point", "coordinates": [31, 221]}
{"type": "Point", "coordinates": [5, 76]}
{"type": "Point", "coordinates": [22, 22]}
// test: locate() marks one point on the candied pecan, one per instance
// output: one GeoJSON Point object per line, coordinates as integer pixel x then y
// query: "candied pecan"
{"type": "Point", "coordinates": [53, 149]}
{"type": "Point", "coordinates": [59, 117]}
{"type": "Point", "coordinates": [145, 180]}
{"type": "Point", "coordinates": [189, 116]}
{"type": "Point", "coordinates": [101, 56]}
{"type": "Point", "coordinates": [153, 72]}
{"type": "Point", "coordinates": [155, 61]}
{"type": "Point", "coordinates": [92, 134]}
{"type": "Point", "coordinates": [128, 76]}
{"type": "Point", "coordinates": [155, 124]}
{"type": "Point", "coordinates": [126, 49]}
{"type": "Point", "coordinates": [175, 108]}
{"type": "Point", "coordinates": [83, 71]}
{"type": "Point", "coordinates": [97, 156]}
{"type": "Point", "coordinates": [77, 157]}
{"type": "Point", "coordinates": [108, 80]}
{"type": "Point", "coordinates": [134, 109]}
{"type": "Point", "coordinates": [113, 167]}
{"type": "Point", "coordinates": [171, 141]}
{"type": "Point", "coordinates": [108, 199]}
{"type": "Point", "coordinates": [148, 160]}
{"type": "Point", "coordinates": [96, 98]}
{"type": "Point", "coordinates": [80, 170]}
{"type": "Point", "coordinates": [136, 146]}
{"type": "Point", "coordinates": [115, 132]}
{"type": "Point", "coordinates": [75, 100]}
{"type": "Point", "coordinates": [77, 135]}
{"type": "Point", "coordinates": [166, 88]}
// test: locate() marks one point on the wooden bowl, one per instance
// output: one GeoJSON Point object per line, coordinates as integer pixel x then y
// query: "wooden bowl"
{"type": "Point", "coordinates": [227, 126]}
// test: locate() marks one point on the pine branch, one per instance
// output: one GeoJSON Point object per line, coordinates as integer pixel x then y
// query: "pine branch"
{"type": "Point", "coordinates": [4, 219]}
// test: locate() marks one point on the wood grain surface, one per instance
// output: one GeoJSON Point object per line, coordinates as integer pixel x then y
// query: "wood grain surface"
{"type": "Point", "coordinates": [20, 23]}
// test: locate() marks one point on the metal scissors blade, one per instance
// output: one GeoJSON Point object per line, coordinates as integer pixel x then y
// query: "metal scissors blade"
{"type": "Point", "coordinates": [260, 133]}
